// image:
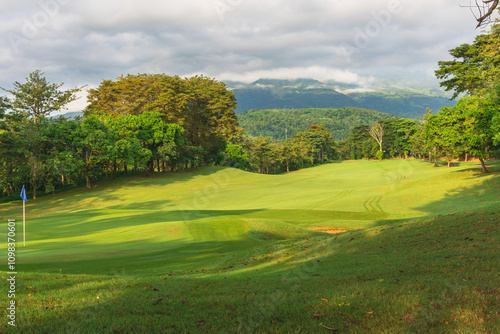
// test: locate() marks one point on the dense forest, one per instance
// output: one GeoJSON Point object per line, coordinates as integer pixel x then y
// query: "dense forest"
{"type": "Point", "coordinates": [155, 122]}
{"type": "Point", "coordinates": [138, 123]}
{"type": "Point", "coordinates": [281, 123]}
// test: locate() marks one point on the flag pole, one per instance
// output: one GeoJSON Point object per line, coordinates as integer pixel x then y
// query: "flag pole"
{"type": "Point", "coordinates": [24, 223]}
{"type": "Point", "coordinates": [23, 197]}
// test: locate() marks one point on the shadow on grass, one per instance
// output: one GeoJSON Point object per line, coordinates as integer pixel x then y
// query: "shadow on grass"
{"type": "Point", "coordinates": [403, 276]}
{"type": "Point", "coordinates": [101, 191]}
{"type": "Point", "coordinates": [411, 277]}
{"type": "Point", "coordinates": [485, 192]}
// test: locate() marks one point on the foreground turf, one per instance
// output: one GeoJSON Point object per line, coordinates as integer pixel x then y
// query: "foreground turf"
{"type": "Point", "coordinates": [220, 250]}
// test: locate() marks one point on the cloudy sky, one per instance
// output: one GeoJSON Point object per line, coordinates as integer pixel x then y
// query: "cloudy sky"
{"type": "Point", "coordinates": [362, 42]}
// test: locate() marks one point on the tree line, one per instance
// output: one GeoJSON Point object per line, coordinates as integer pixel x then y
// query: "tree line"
{"type": "Point", "coordinates": [282, 123]}
{"type": "Point", "coordinates": [266, 156]}
{"type": "Point", "coordinates": [139, 123]}
{"type": "Point", "coordinates": [471, 128]}
{"type": "Point", "coordinates": [154, 122]}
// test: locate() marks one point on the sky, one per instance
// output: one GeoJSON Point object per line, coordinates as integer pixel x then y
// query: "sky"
{"type": "Point", "coordinates": [364, 42]}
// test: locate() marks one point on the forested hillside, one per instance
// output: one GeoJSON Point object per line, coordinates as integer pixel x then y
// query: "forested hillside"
{"type": "Point", "coordinates": [278, 123]}
{"type": "Point", "coordinates": [308, 93]}
{"type": "Point", "coordinates": [402, 104]}
{"type": "Point", "coordinates": [285, 94]}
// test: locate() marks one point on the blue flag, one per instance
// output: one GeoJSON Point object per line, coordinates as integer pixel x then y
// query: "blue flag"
{"type": "Point", "coordinates": [23, 195]}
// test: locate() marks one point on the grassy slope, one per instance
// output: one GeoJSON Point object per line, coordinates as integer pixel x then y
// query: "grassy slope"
{"type": "Point", "coordinates": [232, 247]}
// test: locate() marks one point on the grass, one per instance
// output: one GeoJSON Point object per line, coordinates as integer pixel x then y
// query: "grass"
{"type": "Point", "coordinates": [218, 250]}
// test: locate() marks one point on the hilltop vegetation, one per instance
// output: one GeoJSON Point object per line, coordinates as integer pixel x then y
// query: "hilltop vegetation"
{"type": "Point", "coordinates": [401, 103]}
{"type": "Point", "coordinates": [308, 93]}
{"type": "Point", "coordinates": [339, 122]}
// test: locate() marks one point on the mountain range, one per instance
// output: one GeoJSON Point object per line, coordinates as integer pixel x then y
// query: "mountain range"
{"type": "Point", "coordinates": [309, 93]}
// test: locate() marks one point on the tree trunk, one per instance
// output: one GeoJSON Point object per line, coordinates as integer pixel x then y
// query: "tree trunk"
{"type": "Point", "coordinates": [483, 165]}
{"type": "Point", "coordinates": [115, 168]}
{"type": "Point", "coordinates": [124, 168]}
{"type": "Point", "coordinates": [151, 165]}
{"type": "Point", "coordinates": [449, 163]}
{"type": "Point", "coordinates": [34, 193]}
{"type": "Point", "coordinates": [87, 176]}
{"type": "Point", "coordinates": [430, 157]}
{"type": "Point", "coordinates": [466, 157]}
{"type": "Point", "coordinates": [158, 164]}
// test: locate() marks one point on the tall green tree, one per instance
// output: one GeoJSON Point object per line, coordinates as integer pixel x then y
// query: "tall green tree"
{"type": "Point", "coordinates": [90, 146]}
{"type": "Point", "coordinates": [463, 129]}
{"type": "Point", "coordinates": [419, 144]}
{"type": "Point", "coordinates": [202, 106]}
{"type": "Point", "coordinates": [37, 98]}
{"type": "Point", "coordinates": [360, 144]}
{"type": "Point", "coordinates": [441, 131]}
{"type": "Point", "coordinates": [476, 66]}
{"type": "Point", "coordinates": [476, 116]}
{"type": "Point", "coordinates": [398, 135]}
{"type": "Point", "coordinates": [153, 134]}
{"type": "Point", "coordinates": [260, 157]}
{"type": "Point", "coordinates": [495, 119]}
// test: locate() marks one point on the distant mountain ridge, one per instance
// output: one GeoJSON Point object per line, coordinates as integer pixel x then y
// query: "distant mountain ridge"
{"type": "Point", "coordinates": [310, 93]}
{"type": "Point", "coordinates": [70, 114]}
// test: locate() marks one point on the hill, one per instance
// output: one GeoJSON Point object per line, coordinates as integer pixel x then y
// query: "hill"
{"type": "Point", "coordinates": [70, 115]}
{"type": "Point", "coordinates": [308, 93]}
{"type": "Point", "coordinates": [403, 104]}
{"type": "Point", "coordinates": [218, 250]}
{"type": "Point", "coordinates": [339, 121]}
{"type": "Point", "coordinates": [285, 94]}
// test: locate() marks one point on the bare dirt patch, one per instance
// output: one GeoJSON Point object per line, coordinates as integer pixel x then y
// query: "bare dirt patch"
{"type": "Point", "coordinates": [328, 230]}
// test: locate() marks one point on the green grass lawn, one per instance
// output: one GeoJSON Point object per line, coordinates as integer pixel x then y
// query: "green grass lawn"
{"type": "Point", "coordinates": [219, 250]}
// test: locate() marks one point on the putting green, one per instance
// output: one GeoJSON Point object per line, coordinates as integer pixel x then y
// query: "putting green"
{"type": "Point", "coordinates": [201, 217]}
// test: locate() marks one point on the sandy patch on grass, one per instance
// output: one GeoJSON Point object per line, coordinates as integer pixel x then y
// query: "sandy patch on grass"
{"type": "Point", "coordinates": [328, 230]}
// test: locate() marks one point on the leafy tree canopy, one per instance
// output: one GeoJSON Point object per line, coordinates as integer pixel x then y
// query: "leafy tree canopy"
{"type": "Point", "coordinates": [38, 98]}
{"type": "Point", "coordinates": [475, 66]}
{"type": "Point", "coordinates": [202, 106]}
{"type": "Point", "coordinates": [282, 123]}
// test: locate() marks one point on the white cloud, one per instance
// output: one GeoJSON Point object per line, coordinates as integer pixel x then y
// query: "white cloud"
{"type": "Point", "coordinates": [315, 72]}
{"type": "Point", "coordinates": [84, 42]}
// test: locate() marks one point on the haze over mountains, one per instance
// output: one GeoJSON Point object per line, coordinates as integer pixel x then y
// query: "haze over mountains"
{"type": "Point", "coordinates": [308, 93]}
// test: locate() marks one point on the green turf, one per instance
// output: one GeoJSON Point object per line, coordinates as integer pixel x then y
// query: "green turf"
{"type": "Point", "coordinates": [222, 250]}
